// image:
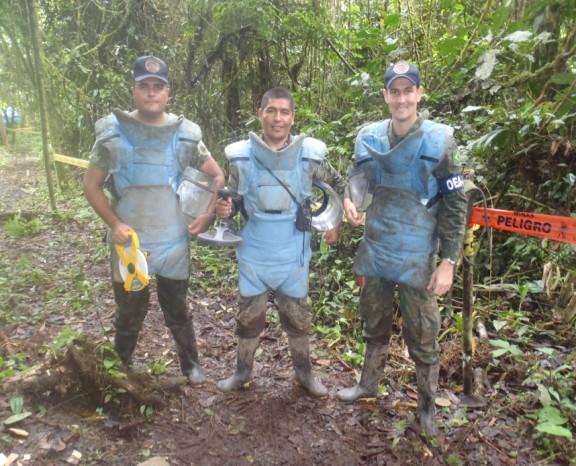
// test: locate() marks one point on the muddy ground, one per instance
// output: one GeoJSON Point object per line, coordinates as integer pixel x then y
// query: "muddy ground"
{"type": "Point", "coordinates": [58, 279]}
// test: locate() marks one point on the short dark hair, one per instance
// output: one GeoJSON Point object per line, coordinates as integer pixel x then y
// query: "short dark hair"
{"type": "Point", "coordinates": [277, 93]}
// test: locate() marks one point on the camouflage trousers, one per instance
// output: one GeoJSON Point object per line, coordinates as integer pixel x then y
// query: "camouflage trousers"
{"type": "Point", "coordinates": [294, 313]}
{"type": "Point", "coordinates": [420, 317]}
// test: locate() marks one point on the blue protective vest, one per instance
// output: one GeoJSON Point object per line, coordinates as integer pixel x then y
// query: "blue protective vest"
{"type": "Point", "coordinates": [146, 165]}
{"type": "Point", "coordinates": [274, 255]}
{"type": "Point", "coordinates": [400, 238]}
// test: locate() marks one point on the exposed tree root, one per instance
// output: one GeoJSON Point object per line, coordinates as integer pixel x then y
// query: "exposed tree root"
{"type": "Point", "coordinates": [80, 367]}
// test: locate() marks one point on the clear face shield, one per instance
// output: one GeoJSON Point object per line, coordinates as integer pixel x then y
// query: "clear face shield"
{"type": "Point", "coordinates": [327, 209]}
{"type": "Point", "coordinates": [195, 192]}
{"type": "Point", "coordinates": [359, 188]}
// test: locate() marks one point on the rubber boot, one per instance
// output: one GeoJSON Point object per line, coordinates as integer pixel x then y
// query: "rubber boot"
{"type": "Point", "coordinates": [374, 360]}
{"type": "Point", "coordinates": [427, 381]}
{"type": "Point", "coordinates": [131, 309]}
{"type": "Point", "coordinates": [244, 362]}
{"type": "Point", "coordinates": [172, 298]}
{"type": "Point", "coordinates": [187, 352]}
{"type": "Point", "coordinates": [300, 352]}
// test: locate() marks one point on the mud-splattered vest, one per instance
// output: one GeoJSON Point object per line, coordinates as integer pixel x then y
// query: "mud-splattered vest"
{"type": "Point", "coordinates": [274, 255]}
{"type": "Point", "coordinates": [400, 238]}
{"type": "Point", "coordinates": [146, 165]}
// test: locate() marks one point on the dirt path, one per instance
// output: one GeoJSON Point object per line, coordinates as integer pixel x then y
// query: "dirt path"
{"type": "Point", "coordinates": [58, 279]}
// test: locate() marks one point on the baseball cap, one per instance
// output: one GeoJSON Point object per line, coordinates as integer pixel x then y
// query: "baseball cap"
{"type": "Point", "coordinates": [402, 69]}
{"type": "Point", "coordinates": [149, 66]}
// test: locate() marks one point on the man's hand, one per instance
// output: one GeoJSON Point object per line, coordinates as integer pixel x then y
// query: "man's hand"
{"type": "Point", "coordinates": [441, 279]}
{"type": "Point", "coordinates": [200, 224]}
{"type": "Point", "coordinates": [224, 207]}
{"type": "Point", "coordinates": [331, 236]}
{"type": "Point", "coordinates": [354, 218]}
{"type": "Point", "coordinates": [120, 233]}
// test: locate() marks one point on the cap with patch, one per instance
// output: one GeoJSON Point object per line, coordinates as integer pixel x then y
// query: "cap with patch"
{"type": "Point", "coordinates": [402, 69]}
{"type": "Point", "coordinates": [150, 67]}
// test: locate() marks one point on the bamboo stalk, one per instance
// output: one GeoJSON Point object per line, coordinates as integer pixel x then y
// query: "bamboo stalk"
{"type": "Point", "coordinates": [36, 49]}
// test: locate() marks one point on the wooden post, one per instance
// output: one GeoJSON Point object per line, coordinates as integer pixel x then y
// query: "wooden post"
{"type": "Point", "coordinates": [3, 135]}
{"type": "Point", "coordinates": [469, 397]}
{"type": "Point", "coordinates": [36, 49]}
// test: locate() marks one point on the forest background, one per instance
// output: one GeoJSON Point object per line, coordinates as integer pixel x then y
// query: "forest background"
{"type": "Point", "coordinates": [502, 73]}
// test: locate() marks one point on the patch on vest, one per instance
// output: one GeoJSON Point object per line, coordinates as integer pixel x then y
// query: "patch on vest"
{"type": "Point", "coordinates": [451, 183]}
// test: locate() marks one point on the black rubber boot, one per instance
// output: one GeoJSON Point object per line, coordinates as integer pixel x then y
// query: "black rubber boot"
{"type": "Point", "coordinates": [300, 351]}
{"type": "Point", "coordinates": [427, 380]}
{"type": "Point", "coordinates": [131, 309]}
{"type": "Point", "coordinates": [374, 360]}
{"type": "Point", "coordinates": [244, 361]}
{"type": "Point", "coordinates": [172, 299]}
{"type": "Point", "coordinates": [187, 352]}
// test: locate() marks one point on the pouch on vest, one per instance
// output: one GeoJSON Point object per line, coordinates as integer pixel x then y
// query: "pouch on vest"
{"type": "Point", "coordinates": [304, 216]}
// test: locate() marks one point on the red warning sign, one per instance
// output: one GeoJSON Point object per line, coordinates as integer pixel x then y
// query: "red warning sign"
{"type": "Point", "coordinates": [552, 227]}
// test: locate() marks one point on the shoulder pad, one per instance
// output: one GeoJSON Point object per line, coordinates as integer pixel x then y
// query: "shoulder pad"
{"type": "Point", "coordinates": [377, 128]}
{"type": "Point", "coordinates": [314, 149]}
{"type": "Point", "coordinates": [106, 127]}
{"type": "Point", "coordinates": [438, 128]}
{"type": "Point", "coordinates": [237, 150]}
{"type": "Point", "coordinates": [190, 130]}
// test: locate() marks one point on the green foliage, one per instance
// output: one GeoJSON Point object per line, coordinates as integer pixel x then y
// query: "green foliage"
{"type": "Point", "coordinates": [505, 348]}
{"type": "Point", "coordinates": [18, 227]}
{"type": "Point", "coordinates": [550, 421]}
{"type": "Point", "coordinates": [63, 340]}
{"type": "Point", "coordinates": [213, 268]}
{"type": "Point", "coordinates": [158, 366]}
{"type": "Point", "coordinates": [111, 368]}
{"type": "Point", "coordinates": [11, 365]}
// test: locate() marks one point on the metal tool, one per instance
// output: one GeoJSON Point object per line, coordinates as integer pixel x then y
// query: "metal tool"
{"type": "Point", "coordinates": [223, 233]}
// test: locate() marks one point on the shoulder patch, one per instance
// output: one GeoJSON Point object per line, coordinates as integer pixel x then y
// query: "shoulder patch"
{"type": "Point", "coordinates": [451, 183]}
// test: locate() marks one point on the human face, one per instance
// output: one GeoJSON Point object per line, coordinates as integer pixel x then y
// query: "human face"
{"type": "Point", "coordinates": [150, 97]}
{"type": "Point", "coordinates": [276, 120]}
{"type": "Point", "coordinates": [402, 98]}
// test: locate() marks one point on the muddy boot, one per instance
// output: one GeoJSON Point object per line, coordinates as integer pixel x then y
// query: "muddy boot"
{"type": "Point", "coordinates": [427, 380]}
{"type": "Point", "coordinates": [300, 352]}
{"type": "Point", "coordinates": [374, 360]}
{"type": "Point", "coordinates": [172, 299]}
{"type": "Point", "coordinates": [131, 309]}
{"type": "Point", "coordinates": [124, 344]}
{"type": "Point", "coordinates": [187, 352]}
{"type": "Point", "coordinates": [244, 360]}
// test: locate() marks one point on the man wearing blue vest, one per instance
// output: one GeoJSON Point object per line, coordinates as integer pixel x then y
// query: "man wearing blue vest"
{"type": "Point", "coordinates": [272, 175]}
{"type": "Point", "coordinates": [145, 153]}
{"type": "Point", "coordinates": [413, 234]}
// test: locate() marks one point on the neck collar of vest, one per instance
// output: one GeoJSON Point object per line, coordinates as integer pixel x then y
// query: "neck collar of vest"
{"type": "Point", "coordinates": [271, 158]}
{"type": "Point", "coordinates": [138, 132]}
{"type": "Point", "coordinates": [402, 155]}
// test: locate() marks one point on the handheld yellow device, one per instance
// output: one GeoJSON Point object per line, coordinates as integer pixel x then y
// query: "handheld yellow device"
{"type": "Point", "coordinates": [132, 264]}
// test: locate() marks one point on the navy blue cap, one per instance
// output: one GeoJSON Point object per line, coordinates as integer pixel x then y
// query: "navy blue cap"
{"type": "Point", "coordinates": [149, 66]}
{"type": "Point", "coordinates": [402, 69]}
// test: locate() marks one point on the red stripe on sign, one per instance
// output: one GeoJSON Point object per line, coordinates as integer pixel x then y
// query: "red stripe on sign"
{"type": "Point", "coordinates": [552, 227]}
